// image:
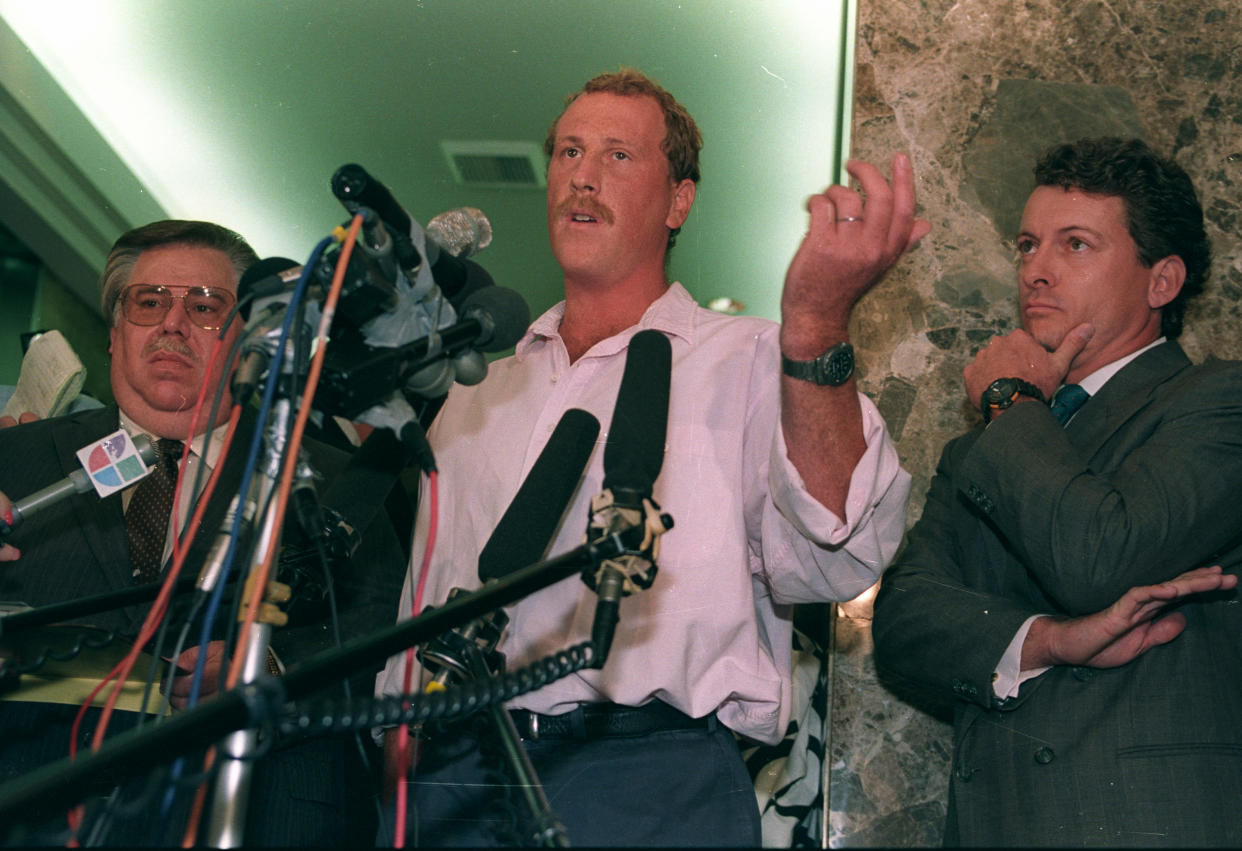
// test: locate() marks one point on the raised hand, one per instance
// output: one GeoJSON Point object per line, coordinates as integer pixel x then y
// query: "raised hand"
{"type": "Point", "coordinates": [854, 238]}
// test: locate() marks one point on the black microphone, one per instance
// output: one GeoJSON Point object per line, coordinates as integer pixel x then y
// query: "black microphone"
{"type": "Point", "coordinates": [633, 457]}
{"type": "Point", "coordinates": [268, 277]}
{"type": "Point", "coordinates": [634, 452]}
{"type": "Point", "coordinates": [356, 375]}
{"type": "Point", "coordinates": [502, 316]}
{"type": "Point", "coordinates": [456, 276]}
{"type": "Point", "coordinates": [262, 284]}
{"type": "Point", "coordinates": [530, 521]}
{"type": "Point", "coordinates": [79, 481]}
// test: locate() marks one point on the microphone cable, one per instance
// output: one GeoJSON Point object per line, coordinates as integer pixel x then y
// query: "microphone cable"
{"type": "Point", "coordinates": [256, 443]}
{"type": "Point", "coordinates": [281, 493]}
{"type": "Point", "coordinates": [404, 749]}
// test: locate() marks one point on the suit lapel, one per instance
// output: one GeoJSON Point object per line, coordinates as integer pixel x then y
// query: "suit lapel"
{"type": "Point", "coordinates": [1124, 395]}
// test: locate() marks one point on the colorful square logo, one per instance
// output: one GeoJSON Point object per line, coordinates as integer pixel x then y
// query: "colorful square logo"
{"type": "Point", "coordinates": [112, 462]}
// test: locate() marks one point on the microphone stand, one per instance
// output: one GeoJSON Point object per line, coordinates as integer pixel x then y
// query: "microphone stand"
{"type": "Point", "coordinates": [547, 828]}
{"type": "Point", "coordinates": [227, 819]}
{"type": "Point", "coordinates": [460, 653]}
{"type": "Point", "coordinates": [56, 613]}
{"type": "Point", "coordinates": [62, 784]}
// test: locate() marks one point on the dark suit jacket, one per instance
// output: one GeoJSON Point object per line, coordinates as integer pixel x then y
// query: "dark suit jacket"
{"type": "Point", "coordinates": [78, 548]}
{"type": "Point", "coordinates": [1025, 518]}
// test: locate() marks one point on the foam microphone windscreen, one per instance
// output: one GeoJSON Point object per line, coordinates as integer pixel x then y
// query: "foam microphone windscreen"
{"type": "Point", "coordinates": [634, 452]}
{"type": "Point", "coordinates": [527, 527]}
{"type": "Point", "coordinates": [506, 313]}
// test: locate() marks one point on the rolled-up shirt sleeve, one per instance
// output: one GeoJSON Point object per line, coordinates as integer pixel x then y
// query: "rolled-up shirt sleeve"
{"type": "Point", "coordinates": [811, 554]}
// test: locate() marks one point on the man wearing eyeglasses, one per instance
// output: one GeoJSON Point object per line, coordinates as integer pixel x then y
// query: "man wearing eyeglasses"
{"type": "Point", "coordinates": [160, 355]}
{"type": "Point", "coordinates": [167, 290]}
{"type": "Point", "coordinates": [155, 282]}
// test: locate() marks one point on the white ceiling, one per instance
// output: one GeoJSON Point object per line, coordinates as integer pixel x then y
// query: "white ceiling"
{"type": "Point", "coordinates": [239, 111]}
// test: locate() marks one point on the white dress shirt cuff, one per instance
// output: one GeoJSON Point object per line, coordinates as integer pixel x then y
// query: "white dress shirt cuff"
{"type": "Point", "coordinates": [1008, 676]}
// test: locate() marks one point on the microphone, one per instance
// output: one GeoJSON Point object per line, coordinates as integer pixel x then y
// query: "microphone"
{"type": "Point", "coordinates": [634, 452]}
{"type": "Point", "coordinates": [530, 521]}
{"type": "Point", "coordinates": [633, 457]}
{"type": "Point", "coordinates": [355, 375]}
{"type": "Point", "coordinates": [363, 296]}
{"type": "Point", "coordinates": [467, 230]}
{"type": "Point", "coordinates": [109, 465]}
{"type": "Point", "coordinates": [492, 319]}
{"type": "Point", "coordinates": [462, 232]}
{"type": "Point", "coordinates": [267, 284]}
{"type": "Point", "coordinates": [502, 316]}
{"type": "Point", "coordinates": [268, 277]}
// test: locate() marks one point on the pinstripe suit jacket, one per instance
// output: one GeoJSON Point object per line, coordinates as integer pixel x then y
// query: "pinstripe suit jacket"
{"type": "Point", "coordinates": [1025, 517]}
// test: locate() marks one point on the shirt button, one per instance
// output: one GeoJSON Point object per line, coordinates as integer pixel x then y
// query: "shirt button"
{"type": "Point", "coordinates": [1045, 755]}
{"type": "Point", "coordinates": [1084, 675]}
{"type": "Point", "coordinates": [964, 773]}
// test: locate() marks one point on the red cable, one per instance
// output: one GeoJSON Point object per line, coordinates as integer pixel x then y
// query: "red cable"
{"type": "Point", "coordinates": [403, 732]}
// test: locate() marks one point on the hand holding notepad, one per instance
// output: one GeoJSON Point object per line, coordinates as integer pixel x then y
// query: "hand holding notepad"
{"type": "Point", "coordinates": [51, 378]}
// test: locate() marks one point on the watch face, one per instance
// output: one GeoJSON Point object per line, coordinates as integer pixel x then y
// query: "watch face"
{"type": "Point", "coordinates": [1000, 392]}
{"type": "Point", "coordinates": [840, 365]}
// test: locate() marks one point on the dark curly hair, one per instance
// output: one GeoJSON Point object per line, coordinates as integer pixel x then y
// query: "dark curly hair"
{"type": "Point", "coordinates": [682, 139]}
{"type": "Point", "coordinates": [1162, 210]}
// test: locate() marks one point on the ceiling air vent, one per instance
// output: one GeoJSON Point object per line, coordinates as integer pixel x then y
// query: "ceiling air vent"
{"type": "Point", "coordinates": [496, 165]}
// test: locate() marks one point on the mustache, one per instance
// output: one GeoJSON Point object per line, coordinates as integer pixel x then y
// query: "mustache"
{"type": "Point", "coordinates": [587, 205]}
{"type": "Point", "coordinates": [171, 344]}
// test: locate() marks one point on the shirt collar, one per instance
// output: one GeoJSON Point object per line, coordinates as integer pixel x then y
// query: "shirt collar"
{"type": "Point", "coordinates": [196, 445]}
{"type": "Point", "coordinates": [1096, 380]}
{"type": "Point", "coordinates": [674, 313]}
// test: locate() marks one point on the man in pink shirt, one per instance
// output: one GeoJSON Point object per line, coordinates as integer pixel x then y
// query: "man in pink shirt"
{"type": "Point", "coordinates": [781, 477]}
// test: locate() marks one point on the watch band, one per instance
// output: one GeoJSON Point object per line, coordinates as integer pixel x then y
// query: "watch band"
{"type": "Point", "coordinates": [833, 368]}
{"type": "Point", "coordinates": [1018, 387]}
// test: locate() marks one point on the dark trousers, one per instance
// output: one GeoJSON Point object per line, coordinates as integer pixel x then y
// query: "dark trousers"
{"type": "Point", "coordinates": [670, 788]}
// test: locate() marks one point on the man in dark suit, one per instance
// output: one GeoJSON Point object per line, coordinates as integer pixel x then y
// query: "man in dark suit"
{"type": "Point", "coordinates": [1064, 583]}
{"type": "Point", "coordinates": [167, 288]}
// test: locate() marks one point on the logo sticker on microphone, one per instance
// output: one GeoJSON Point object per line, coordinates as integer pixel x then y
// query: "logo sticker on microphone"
{"type": "Point", "coordinates": [112, 462]}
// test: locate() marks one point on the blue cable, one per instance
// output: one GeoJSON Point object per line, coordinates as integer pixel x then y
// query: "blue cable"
{"type": "Point", "coordinates": [256, 443]}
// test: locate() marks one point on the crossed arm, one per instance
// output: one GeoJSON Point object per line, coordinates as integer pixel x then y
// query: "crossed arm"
{"type": "Point", "coordinates": [1123, 631]}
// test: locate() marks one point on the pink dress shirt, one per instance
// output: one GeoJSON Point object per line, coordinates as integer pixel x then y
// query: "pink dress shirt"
{"type": "Point", "coordinates": [714, 633]}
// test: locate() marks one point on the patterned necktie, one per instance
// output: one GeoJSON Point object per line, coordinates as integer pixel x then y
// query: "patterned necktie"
{"type": "Point", "coordinates": [146, 519]}
{"type": "Point", "coordinates": [1067, 400]}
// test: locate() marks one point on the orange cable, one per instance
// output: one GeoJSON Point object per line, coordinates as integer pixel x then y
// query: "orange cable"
{"type": "Point", "coordinates": [286, 483]}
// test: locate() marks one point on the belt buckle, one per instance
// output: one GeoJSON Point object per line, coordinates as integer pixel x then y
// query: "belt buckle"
{"type": "Point", "coordinates": [533, 726]}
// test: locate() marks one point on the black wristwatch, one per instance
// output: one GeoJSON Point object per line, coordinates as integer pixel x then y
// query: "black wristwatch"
{"type": "Point", "coordinates": [1003, 392]}
{"type": "Point", "coordinates": [833, 368]}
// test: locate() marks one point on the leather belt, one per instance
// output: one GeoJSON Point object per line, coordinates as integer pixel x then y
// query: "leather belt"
{"type": "Point", "coordinates": [607, 720]}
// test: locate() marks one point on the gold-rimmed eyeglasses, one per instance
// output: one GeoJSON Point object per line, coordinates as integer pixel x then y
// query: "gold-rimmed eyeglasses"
{"type": "Point", "coordinates": [148, 304]}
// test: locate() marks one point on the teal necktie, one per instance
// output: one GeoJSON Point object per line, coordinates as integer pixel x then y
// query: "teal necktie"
{"type": "Point", "coordinates": [1067, 400]}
